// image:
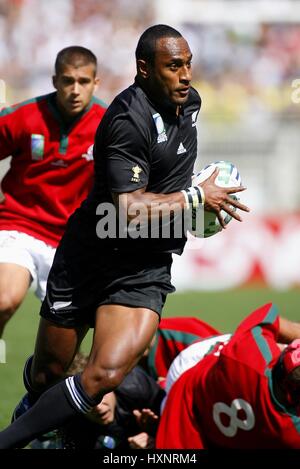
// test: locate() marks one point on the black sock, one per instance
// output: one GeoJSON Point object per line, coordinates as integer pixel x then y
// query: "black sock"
{"type": "Point", "coordinates": [54, 408]}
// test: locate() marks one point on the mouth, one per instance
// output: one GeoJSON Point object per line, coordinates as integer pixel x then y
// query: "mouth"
{"type": "Point", "coordinates": [183, 92]}
{"type": "Point", "coordinates": [75, 103]}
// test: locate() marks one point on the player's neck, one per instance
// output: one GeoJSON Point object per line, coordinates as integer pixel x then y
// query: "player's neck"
{"type": "Point", "coordinates": [66, 118]}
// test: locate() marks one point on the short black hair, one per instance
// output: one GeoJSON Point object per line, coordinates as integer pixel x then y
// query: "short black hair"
{"type": "Point", "coordinates": [77, 56]}
{"type": "Point", "coordinates": [146, 46]}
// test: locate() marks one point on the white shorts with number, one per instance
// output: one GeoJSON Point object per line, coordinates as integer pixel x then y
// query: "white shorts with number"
{"type": "Point", "coordinates": [29, 252]}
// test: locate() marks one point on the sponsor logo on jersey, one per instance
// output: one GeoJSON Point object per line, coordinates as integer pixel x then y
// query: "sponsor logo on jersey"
{"type": "Point", "coordinates": [160, 127]}
{"type": "Point", "coordinates": [195, 117]}
{"type": "Point", "coordinates": [89, 154]}
{"type": "Point", "coordinates": [181, 149]}
{"type": "Point", "coordinates": [136, 173]}
{"type": "Point", "coordinates": [37, 146]}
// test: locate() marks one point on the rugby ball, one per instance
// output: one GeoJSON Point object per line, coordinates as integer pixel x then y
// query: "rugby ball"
{"type": "Point", "coordinates": [204, 223]}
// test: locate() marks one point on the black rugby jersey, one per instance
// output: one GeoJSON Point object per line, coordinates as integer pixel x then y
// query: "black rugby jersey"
{"type": "Point", "coordinates": [139, 144]}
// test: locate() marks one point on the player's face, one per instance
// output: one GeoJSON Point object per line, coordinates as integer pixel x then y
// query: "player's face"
{"type": "Point", "coordinates": [104, 413]}
{"type": "Point", "coordinates": [75, 87]}
{"type": "Point", "coordinates": [171, 74]}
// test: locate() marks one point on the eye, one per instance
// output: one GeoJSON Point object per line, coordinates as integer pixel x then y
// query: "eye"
{"type": "Point", "coordinates": [173, 66]}
{"type": "Point", "coordinates": [67, 80]}
{"type": "Point", "coordinates": [84, 81]}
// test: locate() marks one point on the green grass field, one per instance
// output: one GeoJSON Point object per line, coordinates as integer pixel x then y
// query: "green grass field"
{"type": "Point", "coordinates": [223, 310]}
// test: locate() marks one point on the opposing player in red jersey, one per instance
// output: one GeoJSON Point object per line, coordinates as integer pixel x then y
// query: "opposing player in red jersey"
{"type": "Point", "coordinates": [50, 139]}
{"type": "Point", "coordinates": [244, 394]}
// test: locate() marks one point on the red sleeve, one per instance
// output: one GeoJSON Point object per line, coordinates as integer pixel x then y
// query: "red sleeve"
{"type": "Point", "coordinates": [266, 317]}
{"type": "Point", "coordinates": [190, 325]}
{"type": "Point", "coordinates": [8, 132]}
{"type": "Point", "coordinates": [258, 333]}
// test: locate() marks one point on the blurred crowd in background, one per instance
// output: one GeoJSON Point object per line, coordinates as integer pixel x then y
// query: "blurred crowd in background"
{"type": "Point", "coordinates": [33, 31]}
{"type": "Point", "coordinates": [241, 69]}
{"type": "Point", "coordinates": [244, 71]}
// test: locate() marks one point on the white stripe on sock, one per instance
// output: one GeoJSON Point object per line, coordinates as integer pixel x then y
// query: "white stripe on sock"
{"type": "Point", "coordinates": [77, 398]}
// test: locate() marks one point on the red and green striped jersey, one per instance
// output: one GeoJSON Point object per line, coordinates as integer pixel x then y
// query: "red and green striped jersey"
{"type": "Point", "coordinates": [174, 335]}
{"type": "Point", "coordinates": [227, 399]}
{"type": "Point", "coordinates": [51, 169]}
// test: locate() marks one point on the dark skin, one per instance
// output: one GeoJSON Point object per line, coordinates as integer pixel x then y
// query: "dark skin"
{"type": "Point", "coordinates": [123, 333]}
{"type": "Point", "coordinates": [169, 80]}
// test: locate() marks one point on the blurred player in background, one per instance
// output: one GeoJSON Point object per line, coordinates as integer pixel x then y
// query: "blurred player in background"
{"type": "Point", "coordinates": [50, 140]}
{"type": "Point", "coordinates": [244, 394]}
{"type": "Point", "coordinates": [145, 150]}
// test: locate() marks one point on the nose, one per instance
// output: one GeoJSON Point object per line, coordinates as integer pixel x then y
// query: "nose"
{"type": "Point", "coordinates": [75, 89]}
{"type": "Point", "coordinates": [186, 74]}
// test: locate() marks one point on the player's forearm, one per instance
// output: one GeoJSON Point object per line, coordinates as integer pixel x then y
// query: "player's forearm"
{"type": "Point", "coordinates": [288, 330]}
{"type": "Point", "coordinates": [143, 206]}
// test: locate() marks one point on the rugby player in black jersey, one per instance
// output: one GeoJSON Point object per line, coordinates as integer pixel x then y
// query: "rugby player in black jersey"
{"type": "Point", "coordinates": [110, 274]}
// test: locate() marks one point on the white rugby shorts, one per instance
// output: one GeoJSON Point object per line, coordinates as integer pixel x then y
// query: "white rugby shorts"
{"type": "Point", "coordinates": [29, 252]}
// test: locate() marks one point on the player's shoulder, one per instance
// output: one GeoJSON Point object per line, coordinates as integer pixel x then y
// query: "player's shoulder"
{"type": "Point", "coordinates": [98, 105]}
{"type": "Point", "coordinates": [129, 100]}
{"type": "Point", "coordinates": [130, 108]}
{"type": "Point", "coordinates": [23, 106]}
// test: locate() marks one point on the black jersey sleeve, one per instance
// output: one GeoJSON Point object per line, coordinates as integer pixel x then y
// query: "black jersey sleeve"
{"type": "Point", "coordinates": [127, 155]}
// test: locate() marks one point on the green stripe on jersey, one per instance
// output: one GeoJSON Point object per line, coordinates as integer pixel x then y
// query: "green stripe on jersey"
{"type": "Point", "coordinates": [99, 101]}
{"type": "Point", "coordinates": [271, 316]}
{"type": "Point", "coordinates": [11, 109]}
{"type": "Point", "coordinates": [63, 143]}
{"type": "Point", "coordinates": [169, 334]}
{"type": "Point", "coordinates": [261, 342]}
{"type": "Point", "coordinates": [290, 411]}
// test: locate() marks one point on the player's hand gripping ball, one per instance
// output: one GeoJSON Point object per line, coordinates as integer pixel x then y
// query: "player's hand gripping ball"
{"type": "Point", "coordinates": [228, 177]}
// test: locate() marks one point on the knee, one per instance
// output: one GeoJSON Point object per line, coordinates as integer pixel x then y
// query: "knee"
{"type": "Point", "coordinates": [46, 376]}
{"type": "Point", "coordinates": [8, 306]}
{"type": "Point", "coordinates": [97, 380]}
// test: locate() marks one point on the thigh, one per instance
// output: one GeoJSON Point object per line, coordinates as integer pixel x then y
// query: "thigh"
{"type": "Point", "coordinates": [121, 335]}
{"type": "Point", "coordinates": [54, 351]}
{"type": "Point", "coordinates": [14, 283]}
{"type": "Point", "coordinates": [15, 249]}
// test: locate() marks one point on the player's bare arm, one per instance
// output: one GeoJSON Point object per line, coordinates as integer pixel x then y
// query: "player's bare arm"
{"type": "Point", "coordinates": [151, 205]}
{"type": "Point", "coordinates": [288, 331]}
{"type": "Point", "coordinates": [148, 205]}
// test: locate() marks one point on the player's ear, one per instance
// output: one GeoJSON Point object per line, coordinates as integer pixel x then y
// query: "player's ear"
{"type": "Point", "coordinates": [54, 81]}
{"type": "Point", "coordinates": [96, 82]}
{"type": "Point", "coordinates": [143, 68]}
